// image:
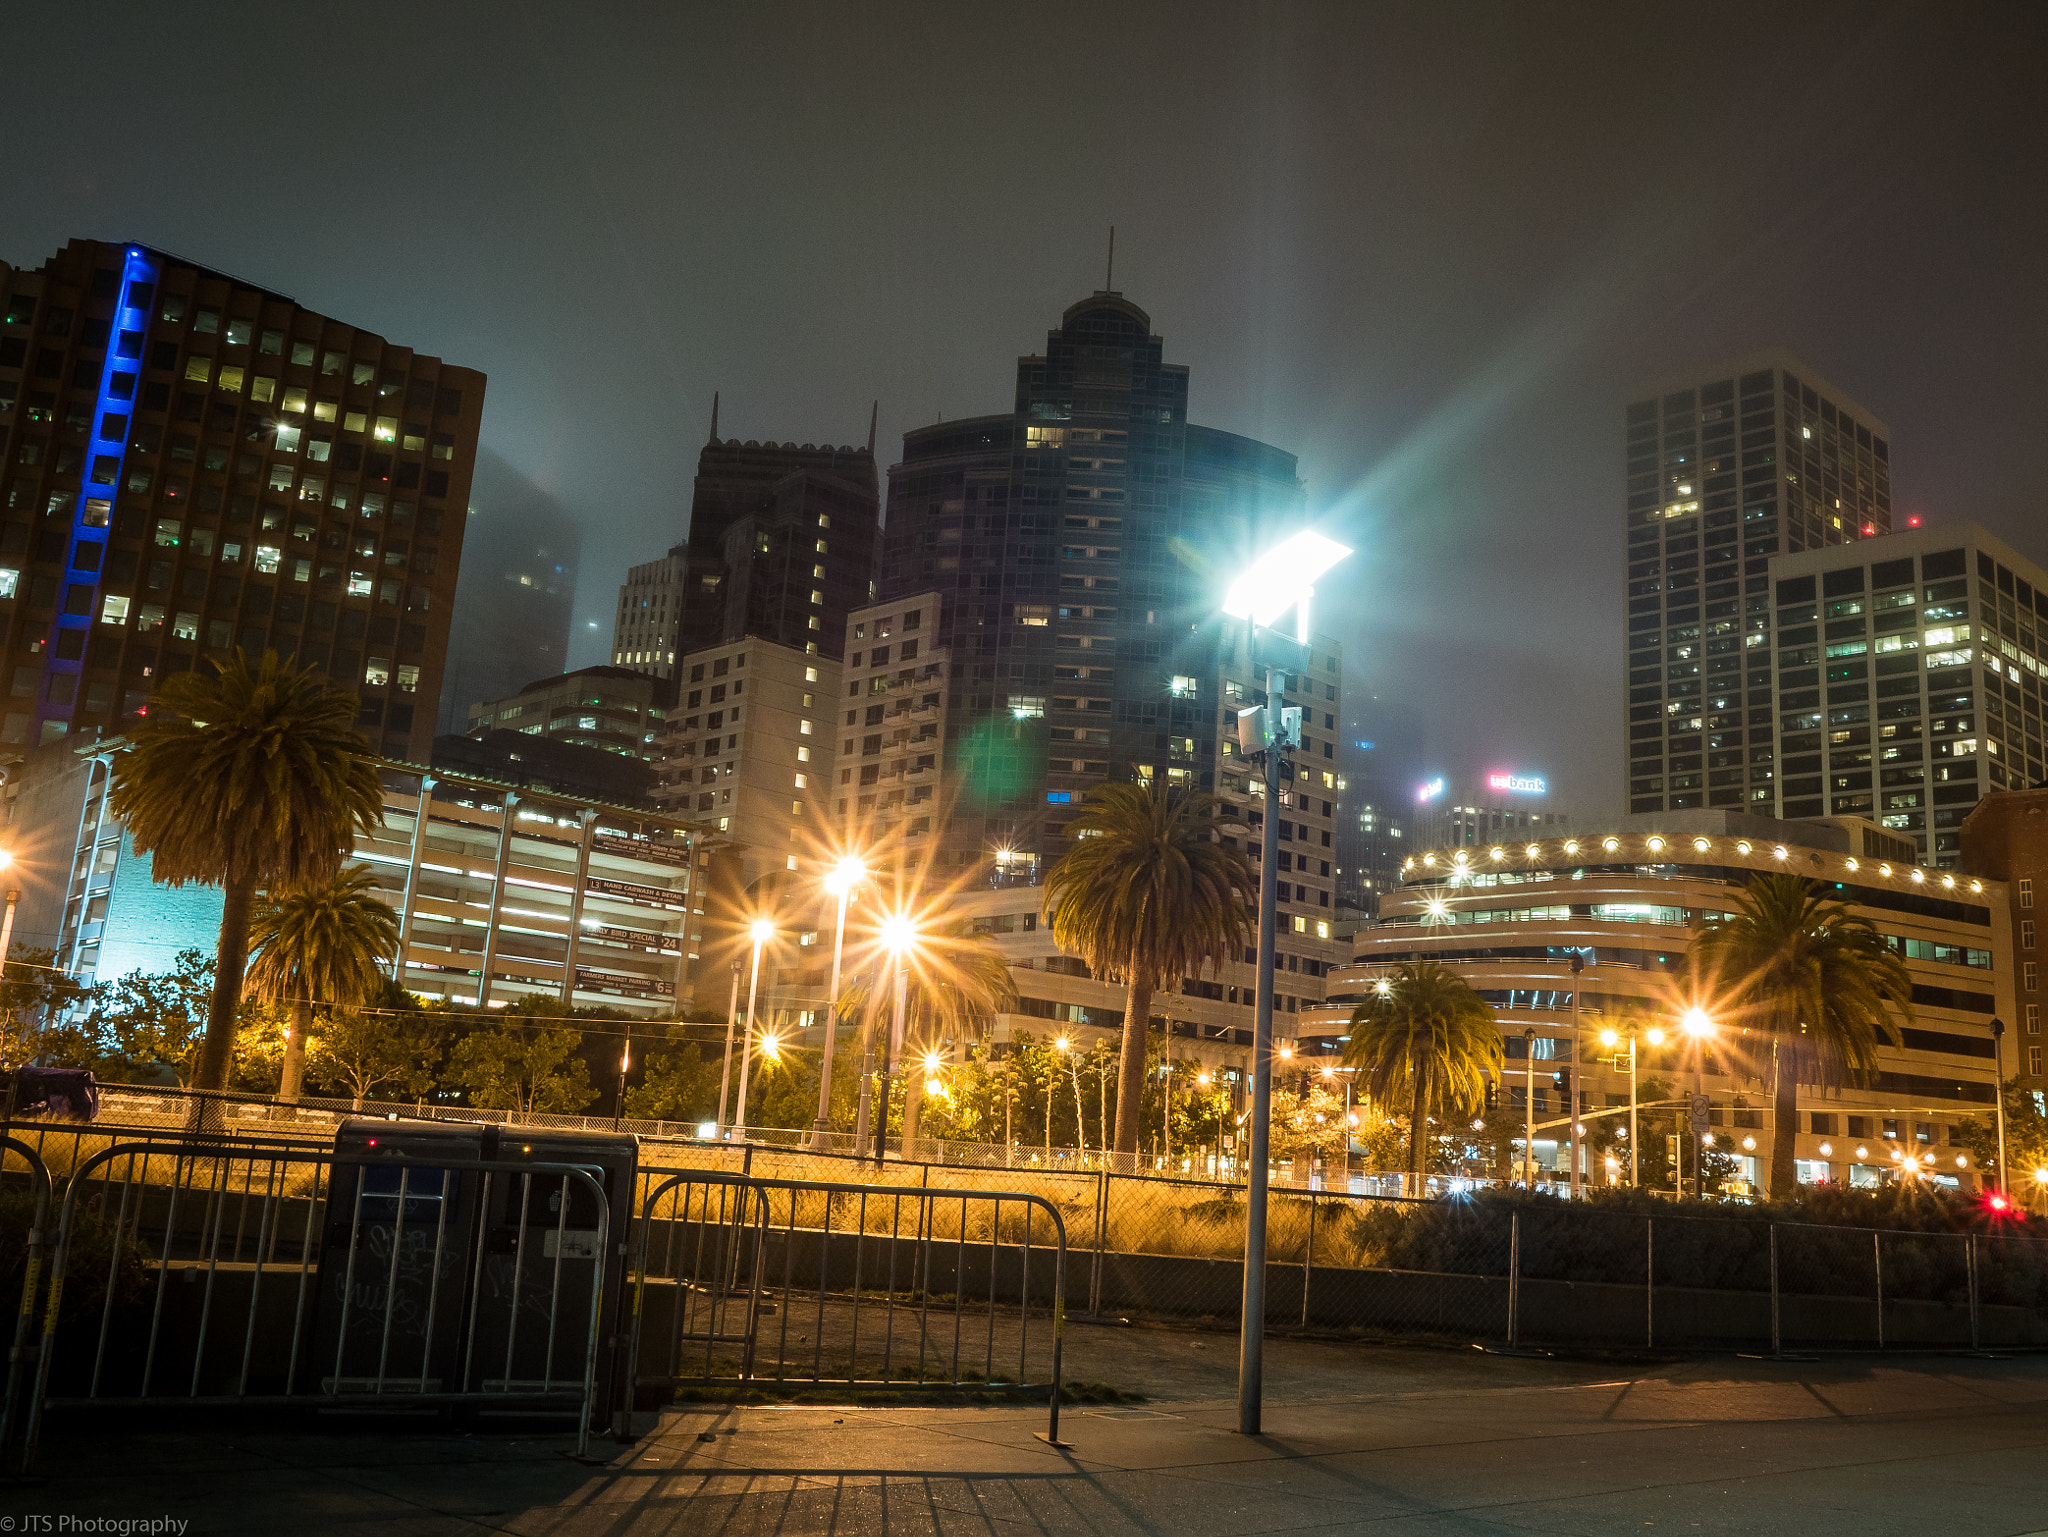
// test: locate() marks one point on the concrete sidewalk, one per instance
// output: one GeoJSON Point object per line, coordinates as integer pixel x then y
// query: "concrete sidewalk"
{"type": "Point", "coordinates": [1423, 1442]}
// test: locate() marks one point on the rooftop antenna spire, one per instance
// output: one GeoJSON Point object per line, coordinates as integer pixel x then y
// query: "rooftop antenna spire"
{"type": "Point", "coordinates": [1109, 274]}
{"type": "Point", "coordinates": [714, 416]}
{"type": "Point", "coordinates": [874, 413]}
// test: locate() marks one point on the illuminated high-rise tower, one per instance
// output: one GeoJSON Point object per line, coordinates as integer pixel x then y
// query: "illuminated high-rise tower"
{"type": "Point", "coordinates": [1751, 462]}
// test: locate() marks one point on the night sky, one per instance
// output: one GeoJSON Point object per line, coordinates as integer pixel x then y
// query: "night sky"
{"type": "Point", "coordinates": [1432, 250]}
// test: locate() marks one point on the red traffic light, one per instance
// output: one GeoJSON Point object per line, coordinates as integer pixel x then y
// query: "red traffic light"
{"type": "Point", "coordinates": [1998, 1202]}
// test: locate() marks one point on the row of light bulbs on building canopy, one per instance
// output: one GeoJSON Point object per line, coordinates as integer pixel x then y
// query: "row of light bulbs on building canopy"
{"type": "Point", "coordinates": [1462, 863]}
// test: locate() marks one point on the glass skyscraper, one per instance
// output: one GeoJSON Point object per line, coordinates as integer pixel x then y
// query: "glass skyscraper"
{"type": "Point", "coordinates": [1755, 461]}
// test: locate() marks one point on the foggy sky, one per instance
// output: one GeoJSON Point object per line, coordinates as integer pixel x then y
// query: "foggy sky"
{"type": "Point", "coordinates": [1432, 250]}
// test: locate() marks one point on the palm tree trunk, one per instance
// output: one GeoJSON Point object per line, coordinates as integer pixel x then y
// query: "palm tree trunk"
{"type": "Point", "coordinates": [1785, 1124]}
{"type": "Point", "coordinates": [216, 1056]}
{"type": "Point", "coordinates": [1418, 1127]}
{"type": "Point", "coordinates": [1130, 1075]}
{"type": "Point", "coordinates": [295, 1048]}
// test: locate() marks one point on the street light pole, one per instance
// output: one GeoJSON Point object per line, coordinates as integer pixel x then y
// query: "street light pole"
{"type": "Point", "coordinates": [1575, 1078]}
{"type": "Point", "coordinates": [842, 882]}
{"type": "Point", "coordinates": [1997, 1076]}
{"type": "Point", "coordinates": [1280, 579]}
{"type": "Point", "coordinates": [902, 990]}
{"type": "Point", "coordinates": [1529, 1109]}
{"type": "Point", "coordinates": [761, 933]}
{"type": "Point", "coordinates": [1251, 1347]}
{"type": "Point", "coordinates": [732, 1020]}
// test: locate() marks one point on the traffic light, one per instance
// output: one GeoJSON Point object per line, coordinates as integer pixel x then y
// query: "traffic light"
{"type": "Point", "coordinates": [1562, 1078]}
{"type": "Point", "coordinates": [1492, 1096]}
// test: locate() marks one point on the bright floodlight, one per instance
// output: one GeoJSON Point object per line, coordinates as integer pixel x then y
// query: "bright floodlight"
{"type": "Point", "coordinates": [899, 933]}
{"type": "Point", "coordinates": [771, 1047]}
{"type": "Point", "coordinates": [763, 931]}
{"type": "Point", "coordinates": [933, 1062]}
{"type": "Point", "coordinates": [6, 859]}
{"type": "Point", "coordinates": [1282, 577]}
{"type": "Point", "coordinates": [845, 876]}
{"type": "Point", "coordinates": [1655, 1037]}
{"type": "Point", "coordinates": [1062, 1043]}
{"type": "Point", "coordinates": [1697, 1023]}
{"type": "Point", "coordinates": [1609, 1038]}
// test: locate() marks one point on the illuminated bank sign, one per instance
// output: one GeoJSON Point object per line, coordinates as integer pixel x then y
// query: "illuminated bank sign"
{"type": "Point", "coordinates": [1430, 791]}
{"type": "Point", "coordinates": [1516, 784]}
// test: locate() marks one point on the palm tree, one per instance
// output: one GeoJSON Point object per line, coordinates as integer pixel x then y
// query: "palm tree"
{"type": "Point", "coordinates": [1811, 976]}
{"type": "Point", "coordinates": [1426, 1036]}
{"type": "Point", "coordinates": [242, 780]}
{"type": "Point", "coordinates": [1148, 894]}
{"type": "Point", "coordinates": [323, 944]}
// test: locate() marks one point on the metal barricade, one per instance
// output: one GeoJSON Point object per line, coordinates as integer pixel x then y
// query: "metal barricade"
{"type": "Point", "coordinates": [19, 1354]}
{"type": "Point", "coordinates": [816, 1283]}
{"type": "Point", "coordinates": [223, 1274]}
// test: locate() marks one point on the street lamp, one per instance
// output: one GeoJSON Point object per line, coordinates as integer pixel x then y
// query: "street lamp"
{"type": "Point", "coordinates": [13, 899]}
{"type": "Point", "coordinates": [1611, 1038]}
{"type": "Point", "coordinates": [1283, 577]}
{"type": "Point", "coordinates": [1699, 1027]}
{"type": "Point", "coordinates": [1997, 1077]}
{"type": "Point", "coordinates": [899, 936]}
{"type": "Point", "coordinates": [763, 931]}
{"type": "Point", "coordinates": [847, 874]}
{"type": "Point", "coordinates": [732, 1023]}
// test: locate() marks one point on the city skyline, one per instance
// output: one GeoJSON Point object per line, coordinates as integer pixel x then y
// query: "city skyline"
{"type": "Point", "coordinates": [1486, 239]}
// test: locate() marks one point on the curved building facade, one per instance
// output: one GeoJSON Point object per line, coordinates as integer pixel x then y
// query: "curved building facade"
{"type": "Point", "coordinates": [1510, 917]}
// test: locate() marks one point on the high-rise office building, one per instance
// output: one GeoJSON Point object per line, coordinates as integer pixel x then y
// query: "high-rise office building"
{"type": "Point", "coordinates": [1498, 806]}
{"type": "Point", "coordinates": [781, 546]}
{"type": "Point", "coordinates": [1079, 544]}
{"type": "Point", "coordinates": [1909, 673]}
{"type": "Point", "coordinates": [614, 709]}
{"type": "Point", "coordinates": [195, 464]}
{"type": "Point", "coordinates": [1379, 756]}
{"type": "Point", "coordinates": [1754, 461]}
{"type": "Point", "coordinates": [515, 599]}
{"type": "Point", "coordinates": [650, 613]}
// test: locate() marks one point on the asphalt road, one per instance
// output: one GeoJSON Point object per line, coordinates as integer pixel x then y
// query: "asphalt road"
{"type": "Point", "coordinates": [1357, 1439]}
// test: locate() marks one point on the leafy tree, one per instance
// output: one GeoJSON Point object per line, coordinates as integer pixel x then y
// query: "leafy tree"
{"type": "Point", "coordinates": [34, 1000]}
{"type": "Point", "coordinates": [678, 1085]}
{"type": "Point", "coordinates": [1427, 1040]}
{"type": "Point", "coordinates": [2026, 1143]}
{"type": "Point", "coordinates": [389, 1040]}
{"type": "Point", "coordinates": [147, 1023]}
{"type": "Point", "coordinates": [1310, 1124]}
{"type": "Point", "coordinates": [1146, 895]}
{"type": "Point", "coordinates": [1812, 977]}
{"type": "Point", "coordinates": [321, 945]}
{"type": "Point", "coordinates": [244, 779]}
{"type": "Point", "coordinates": [524, 1063]}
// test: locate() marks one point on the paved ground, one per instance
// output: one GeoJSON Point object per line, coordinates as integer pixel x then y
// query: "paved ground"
{"type": "Point", "coordinates": [1358, 1438]}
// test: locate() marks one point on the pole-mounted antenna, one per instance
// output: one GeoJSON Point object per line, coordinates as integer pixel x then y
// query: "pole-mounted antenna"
{"type": "Point", "coordinates": [1109, 273]}
{"type": "Point", "coordinates": [874, 413]}
{"type": "Point", "coordinates": [714, 416]}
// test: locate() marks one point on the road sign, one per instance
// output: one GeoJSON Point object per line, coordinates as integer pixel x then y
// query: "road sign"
{"type": "Point", "coordinates": [1700, 1120]}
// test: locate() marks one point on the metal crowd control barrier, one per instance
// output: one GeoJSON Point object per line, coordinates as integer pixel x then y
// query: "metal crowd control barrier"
{"type": "Point", "coordinates": [816, 1283]}
{"type": "Point", "coordinates": [18, 1352]}
{"type": "Point", "coordinates": [210, 1281]}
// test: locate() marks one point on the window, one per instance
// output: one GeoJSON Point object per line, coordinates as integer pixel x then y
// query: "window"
{"type": "Point", "coordinates": [1027, 707]}
{"type": "Point", "coordinates": [186, 627]}
{"type": "Point", "coordinates": [2033, 1061]}
{"type": "Point", "coordinates": [2030, 975]}
{"type": "Point", "coordinates": [408, 678]}
{"type": "Point", "coordinates": [354, 421]}
{"type": "Point", "coordinates": [803, 728]}
{"type": "Point", "coordinates": [387, 429]}
{"type": "Point", "coordinates": [2026, 893]}
{"type": "Point", "coordinates": [2026, 933]}
{"type": "Point", "coordinates": [267, 558]}
{"type": "Point", "coordinates": [149, 617]}
{"type": "Point", "coordinates": [2033, 1018]}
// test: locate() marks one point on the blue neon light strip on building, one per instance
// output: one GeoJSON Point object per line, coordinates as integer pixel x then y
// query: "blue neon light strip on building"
{"type": "Point", "coordinates": [92, 514]}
